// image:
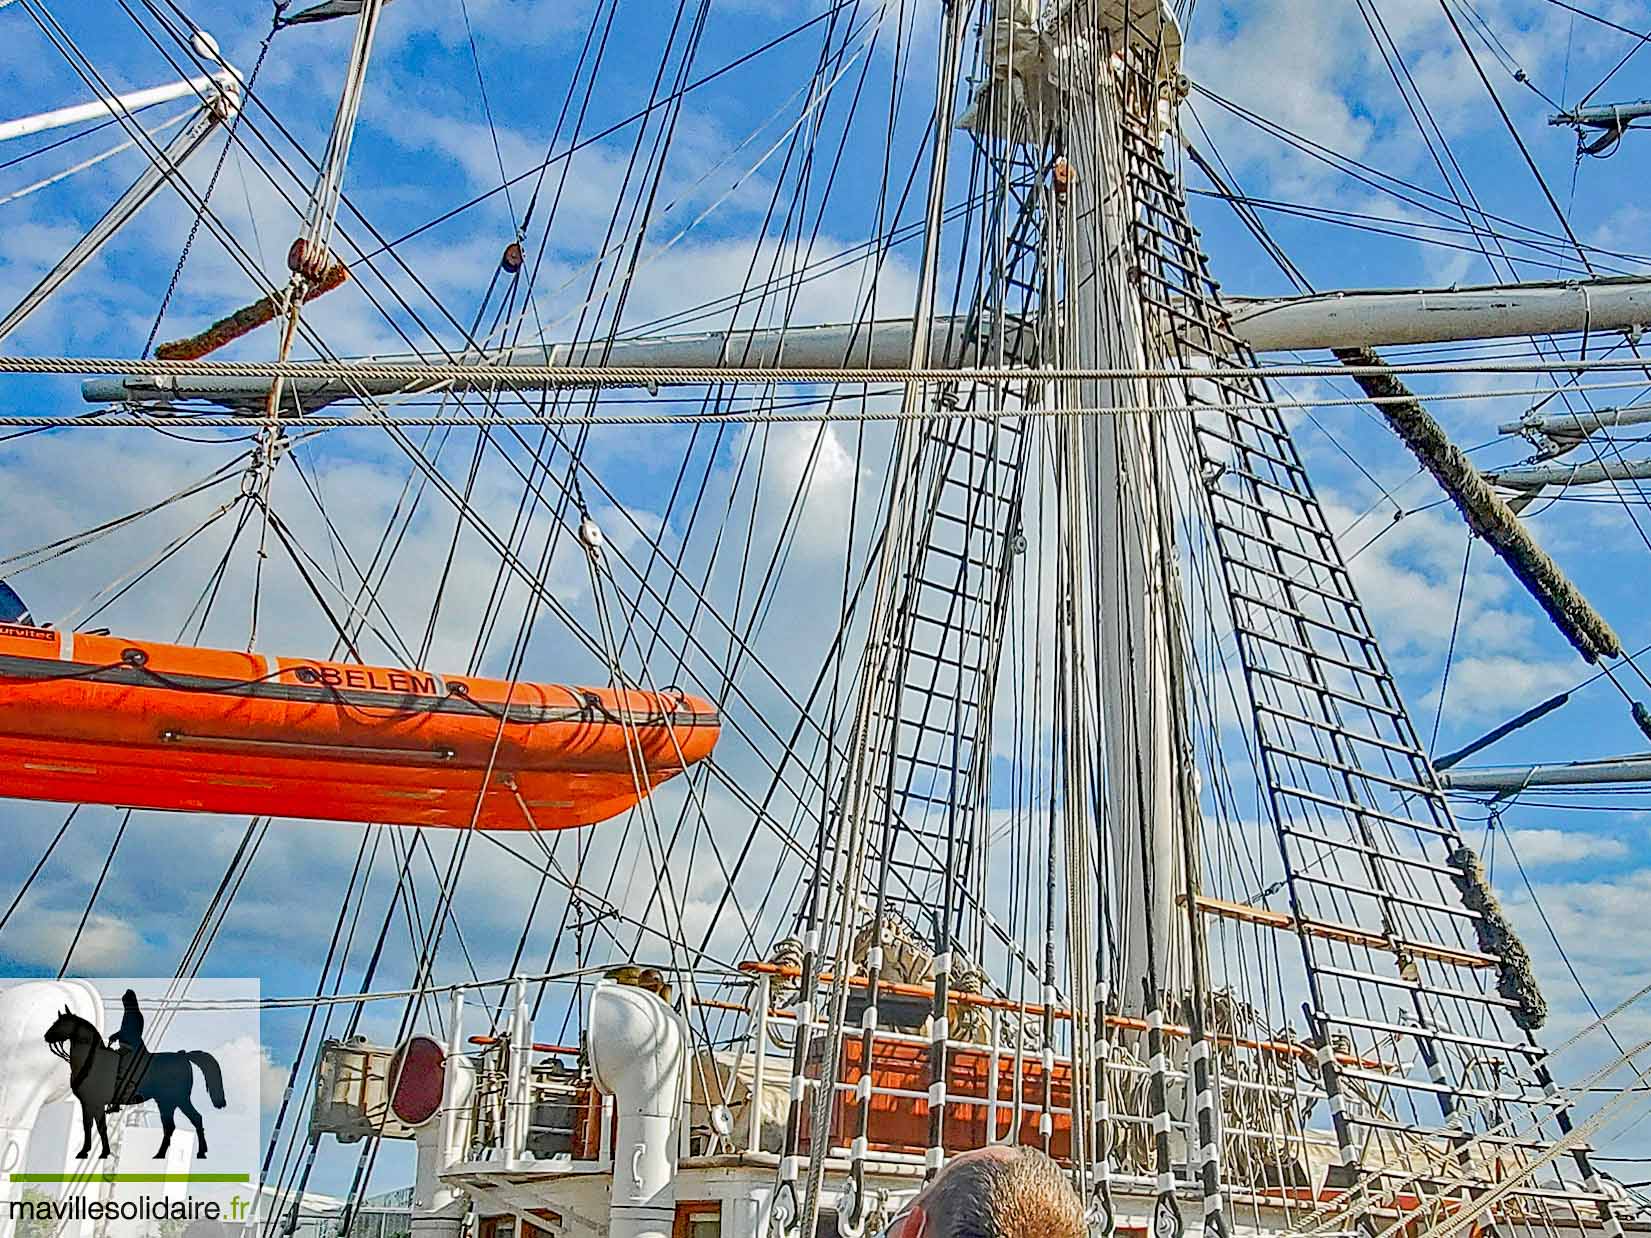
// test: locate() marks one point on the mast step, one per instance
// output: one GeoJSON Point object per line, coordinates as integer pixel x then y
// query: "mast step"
{"type": "Point", "coordinates": [1272, 544]}
{"type": "Point", "coordinates": [1363, 810]}
{"type": "Point", "coordinates": [1342, 731]}
{"type": "Point", "coordinates": [1289, 582]}
{"type": "Point", "coordinates": [1201, 428]}
{"type": "Point", "coordinates": [1331, 931]}
{"type": "Point", "coordinates": [1353, 771]}
{"type": "Point", "coordinates": [1384, 857]}
{"type": "Point", "coordinates": [1296, 613]}
{"type": "Point", "coordinates": [1528, 1051]}
{"type": "Point", "coordinates": [1369, 669]}
{"type": "Point", "coordinates": [1416, 986]}
{"type": "Point", "coordinates": [1388, 896]}
{"type": "Point", "coordinates": [1329, 693]}
{"type": "Point", "coordinates": [1322, 536]}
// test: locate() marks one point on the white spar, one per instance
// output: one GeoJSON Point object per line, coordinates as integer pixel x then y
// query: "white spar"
{"type": "Point", "coordinates": [1352, 319]}
{"type": "Point", "coordinates": [1513, 778]}
{"type": "Point", "coordinates": [1383, 318]}
{"type": "Point", "coordinates": [205, 88]}
{"type": "Point", "coordinates": [1590, 473]}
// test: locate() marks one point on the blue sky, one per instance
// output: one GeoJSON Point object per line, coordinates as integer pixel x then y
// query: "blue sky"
{"type": "Point", "coordinates": [429, 142]}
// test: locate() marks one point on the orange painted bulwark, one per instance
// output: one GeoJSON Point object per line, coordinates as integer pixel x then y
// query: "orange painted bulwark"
{"type": "Point", "coordinates": [106, 720]}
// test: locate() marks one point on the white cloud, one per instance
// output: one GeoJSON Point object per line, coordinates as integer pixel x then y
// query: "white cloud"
{"type": "Point", "coordinates": [1540, 847]}
{"type": "Point", "coordinates": [1482, 685]}
{"type": "Point", "coordinates": [247, 1065]}
{"type": "Point", "coordinates": [41, 937]}
{"type": "Point", "coordinates": [1409, 578]}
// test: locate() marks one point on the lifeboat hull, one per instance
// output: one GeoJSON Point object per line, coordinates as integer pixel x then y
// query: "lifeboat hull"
{"type": "Point", "coordinates": [105, 720]}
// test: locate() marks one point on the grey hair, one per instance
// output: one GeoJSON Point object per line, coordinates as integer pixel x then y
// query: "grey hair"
{"type": "Point", "coordinates": [1025, 1195]}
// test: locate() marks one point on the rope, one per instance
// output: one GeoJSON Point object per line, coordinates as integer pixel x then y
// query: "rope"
{"type": "Point", "coordinates": [91, 162]}
{"type": "Point", "coordinates": [718, 415]}
{"type": "Point", "coordinates": [211, 185]}
{"type": "Point", "coordinates": [646, 375]}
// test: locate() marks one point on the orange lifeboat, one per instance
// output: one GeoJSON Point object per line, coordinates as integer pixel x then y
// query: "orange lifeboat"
{"type": "Point", "coordinates": [105, 720]}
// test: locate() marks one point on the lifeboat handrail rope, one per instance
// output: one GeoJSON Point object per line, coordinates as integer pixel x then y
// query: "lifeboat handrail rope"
{"type": "Point", "coordinates": [135, 659]}
{"type": "Point", "coordinates": [85, 672]}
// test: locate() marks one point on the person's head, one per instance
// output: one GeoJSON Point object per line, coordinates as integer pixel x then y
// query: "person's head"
{"type": "Point", "coordinates": [997, 1192]}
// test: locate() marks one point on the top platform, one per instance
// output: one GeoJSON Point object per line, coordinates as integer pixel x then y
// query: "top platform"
{"type": "Point", "coordinates": [1040, 50]}
{"type": "Point", "coordinates": [1147, 23]}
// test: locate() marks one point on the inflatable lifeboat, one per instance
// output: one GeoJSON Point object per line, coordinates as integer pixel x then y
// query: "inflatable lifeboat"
{"type": "Point", "coordinates": [95, 719]}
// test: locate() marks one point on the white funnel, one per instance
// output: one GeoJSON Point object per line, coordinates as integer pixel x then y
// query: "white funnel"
{"type": "Point", "coordinates": [439, 1210]}
{"type": "Point", "coordinates": [638, 1049]}
{"type": "Point", "coordinates": [31, 1076]}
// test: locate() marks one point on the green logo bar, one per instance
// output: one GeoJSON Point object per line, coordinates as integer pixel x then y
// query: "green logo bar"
{"type": "Point", "coordinates": [97, 1177]}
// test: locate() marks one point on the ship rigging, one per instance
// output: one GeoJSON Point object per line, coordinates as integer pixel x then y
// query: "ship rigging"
{"type": "Point", "coordinates": [1069, 789]}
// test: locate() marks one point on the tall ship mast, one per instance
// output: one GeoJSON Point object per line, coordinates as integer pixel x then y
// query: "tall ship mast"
{"type": "Point", "coordinates": [948, 724]}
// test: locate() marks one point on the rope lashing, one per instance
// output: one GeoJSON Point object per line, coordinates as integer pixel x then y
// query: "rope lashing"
{"type": "Point", "coordinates": [1484, 510]}
{"type": "Point", "coordinates": [1642, 718]}
{"type": "Point", "coordinates": [326, 277]}
{"type": "Point", "coordinates": [1516, 978]}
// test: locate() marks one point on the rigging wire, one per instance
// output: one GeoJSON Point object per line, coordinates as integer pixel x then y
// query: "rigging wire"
{"type": "Point", "coordinates": [45, 858]}
{"type": "Point", "coordinates": [97, 888]}
{"type": "Point", "coordinates": [617, 126]}
{"type": "Point", "coordinates": [1553, 936]}
{"type": "Point", "coordinates": [575, 477]}
{"type": "Point", "coordinates": [1450, 649]}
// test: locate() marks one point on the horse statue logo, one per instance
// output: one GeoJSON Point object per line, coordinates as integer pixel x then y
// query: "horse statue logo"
{"type": "Point", "coordinates": [105, 1079]}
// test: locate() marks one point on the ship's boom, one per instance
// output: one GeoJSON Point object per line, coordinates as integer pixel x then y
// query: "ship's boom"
{"type": "Point", "coordinates": [1328, 320]}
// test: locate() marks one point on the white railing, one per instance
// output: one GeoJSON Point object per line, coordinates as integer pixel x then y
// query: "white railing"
{"type": "Point", "coordinates": [515, 1092]}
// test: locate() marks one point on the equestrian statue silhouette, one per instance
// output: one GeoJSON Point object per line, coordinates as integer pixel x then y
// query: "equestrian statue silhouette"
{"type": "Point", "coordinates": [105, 1079]}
